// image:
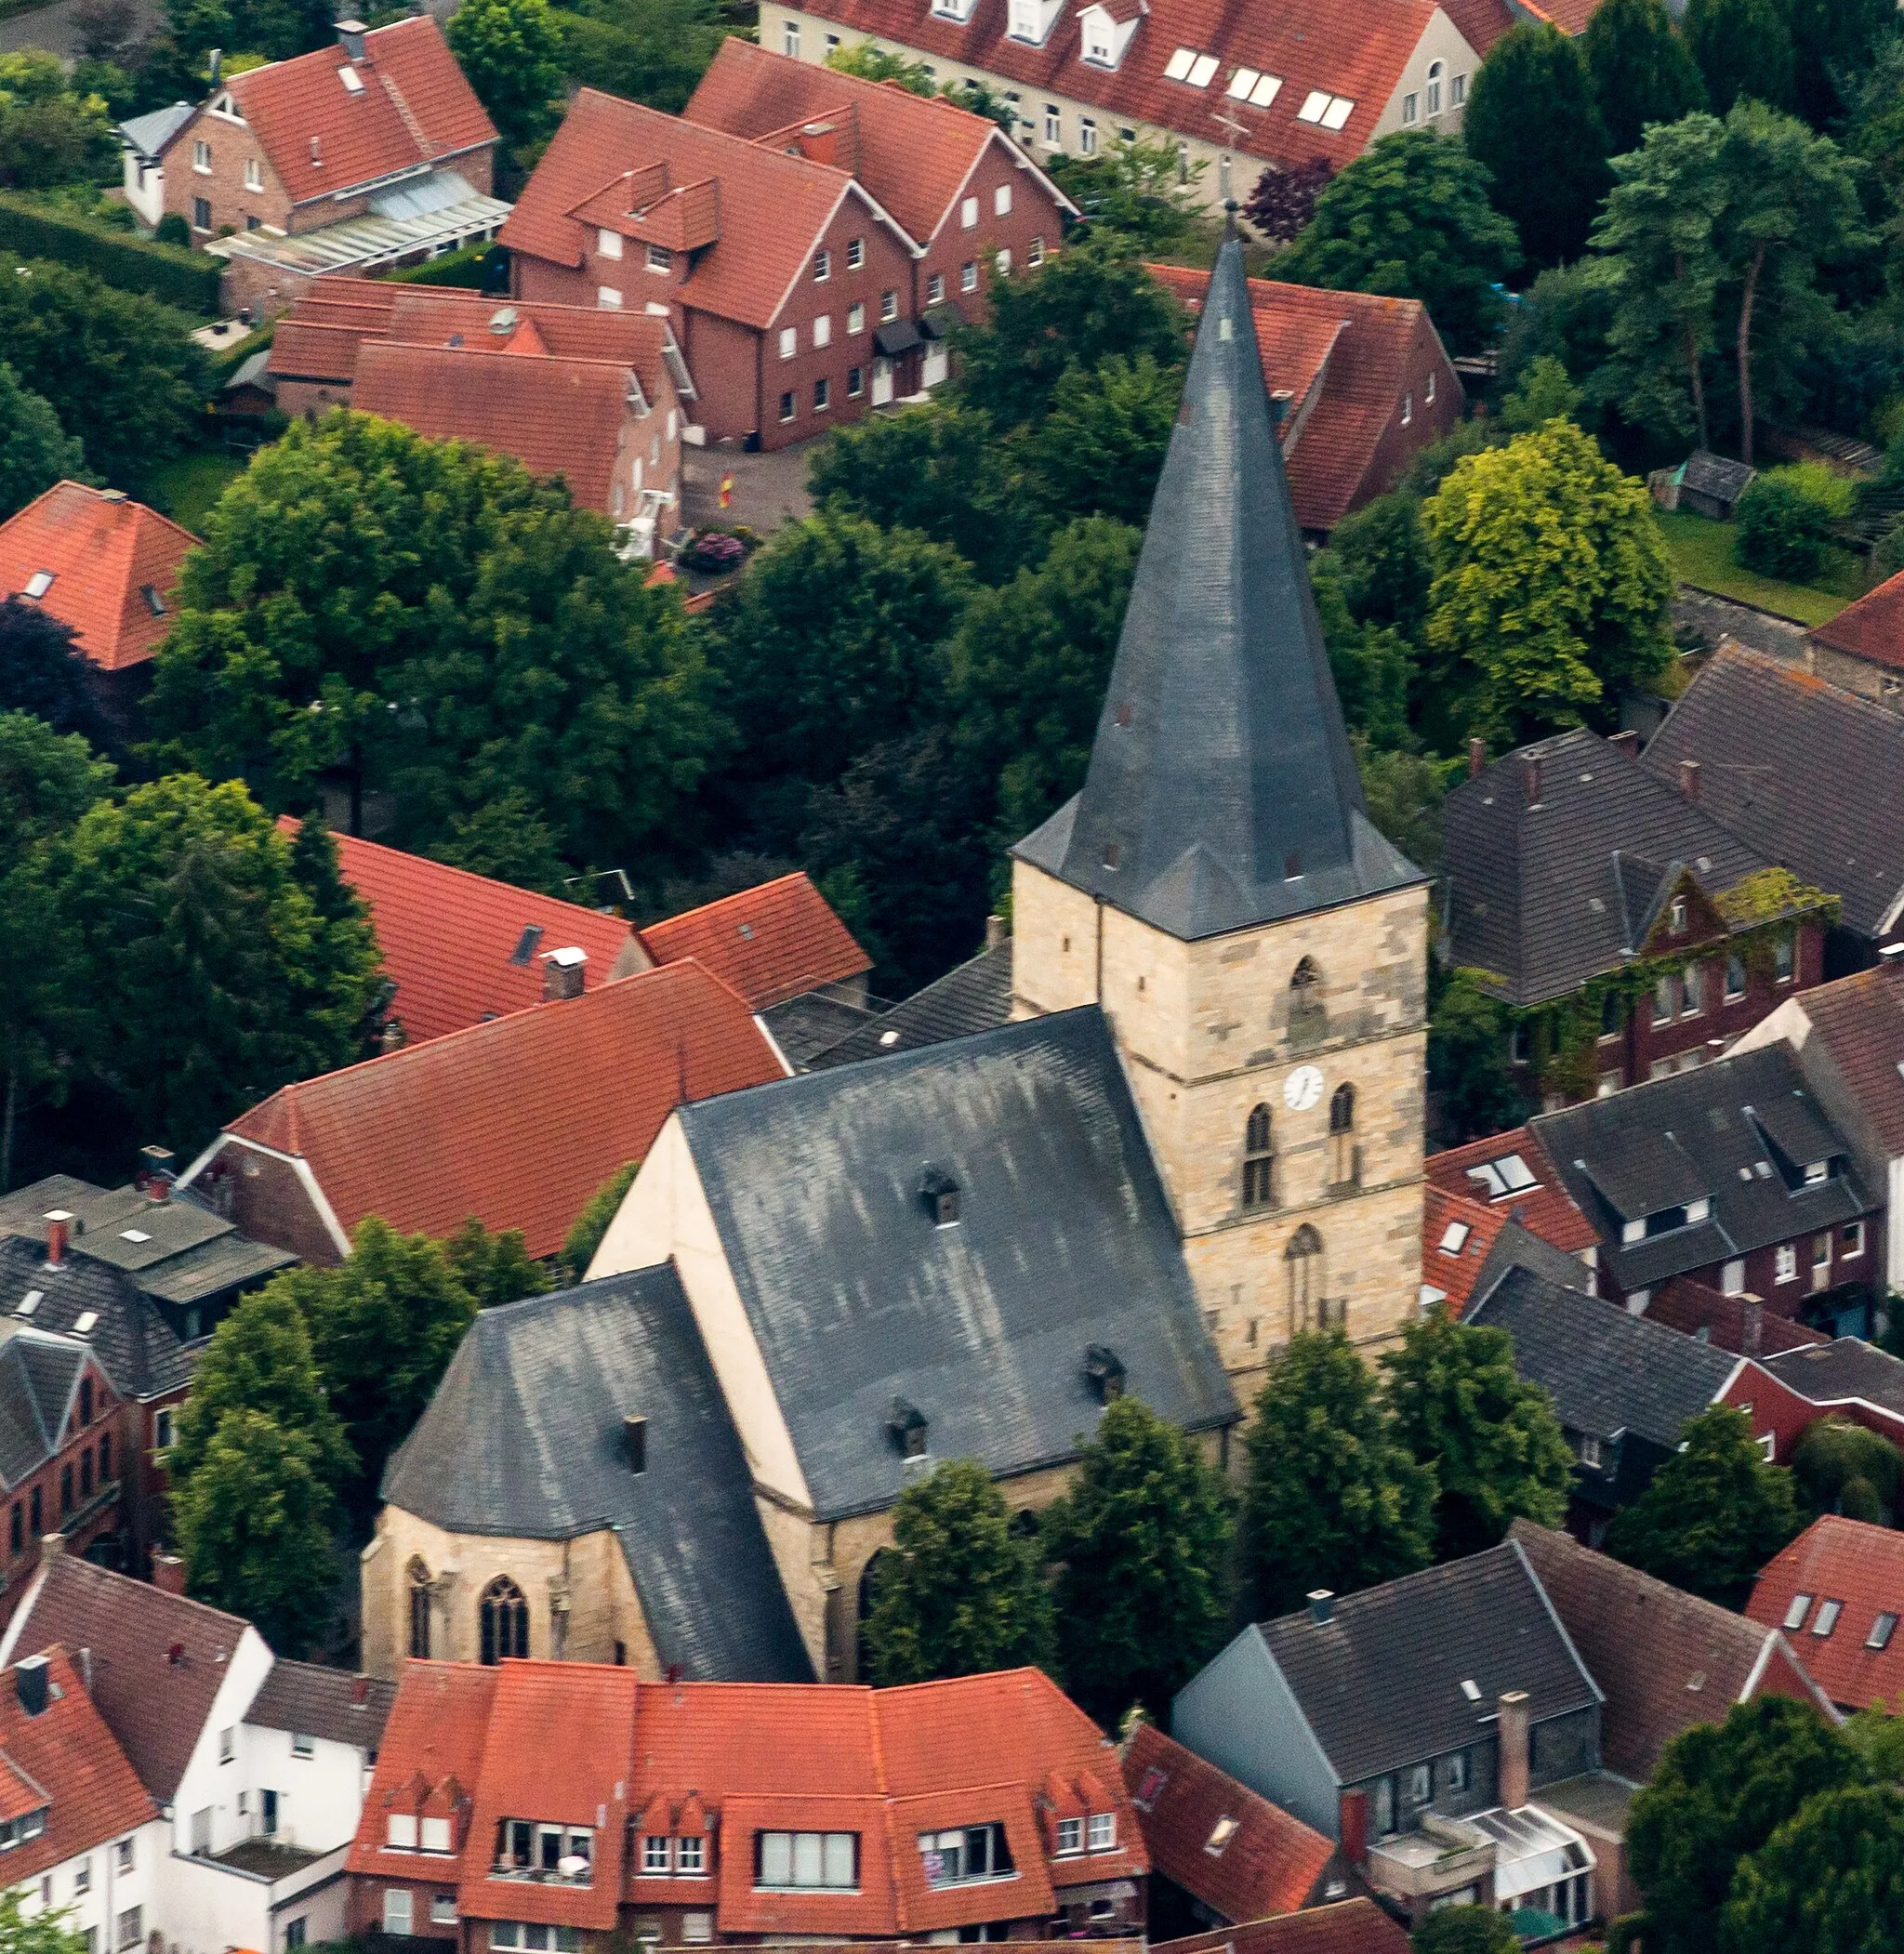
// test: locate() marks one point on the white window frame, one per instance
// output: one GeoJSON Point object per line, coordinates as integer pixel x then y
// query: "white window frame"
{"type": "Point", "coordinates": [657, 1856]}
{"type": "Point", "coordinates": [888, 307]}
{"type": "Point", "coordinates": [790, 341]}
{"type": "Point", "coordinates": [1002, 201]}
{"type": "Point", "coordinates": [935, 289]}
{"type": "Point", "coordinates": [968, 275]}
{"type": "Point", "coordinates": [1785, 1262]}
{"type": "Point", "coordinates": [968, 213]}
{"type": "Point", "coordinates": [1054, 126]}
{"type": "Point", "coordinates": [1410, 106]}
{"type": "Point", "coordinates": [1852, 1247]}
{"type": "Point", "coordinates": [691, 1856]}
{"type": "Point", "coordinates": [400, 1831]}
{"type": "Point", "coordinates": [855, 253]}
{"type": "Point", "coordinates": [607, 300]}
{"type": "Point", "coordinates": [398, 1914]}
{"type": "Point", "coordinates": [1070, 1836]}
{"type": "Point", "coordinates": [1086, 136]}
{"type": "Point", "coordinates": [201, 157]}
{"type": "Point", "coordinates": [790, 38]}
{"type": "Point", "coordinates": [1035, 254]}
{"type": "Point", "coordinates": [823, 331]}
{"type": "Point", "coordinates": [660, 258]}
{"type": "Point", "coordinates": [823, 267]}
{"type": "Point", "coordinates": [855, 318]}
{"type": "Point", "coordinates": [1101, 1834]}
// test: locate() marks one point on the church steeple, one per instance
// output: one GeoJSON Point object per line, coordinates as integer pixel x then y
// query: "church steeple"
{"type": "Point", "coordinates": [1222, 791]}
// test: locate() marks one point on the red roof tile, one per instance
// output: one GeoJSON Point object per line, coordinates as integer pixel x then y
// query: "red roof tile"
{"type": "Point", "coordinates": [772, 943]}
{"type": "Point", "coordinates": [64, 1761]}
{"type": "Point", "coordinates": [1871, 628]}
{"type": "Point", "coordinates": [432, 1750]}
{"type": "Point", "coordinates": [1350, 1927]}
{"type": "Point", "coordinates": [617, 158]}
{"type": "Point", "coordinates": [518, 1121]}
{"type": "Point", "coordinates": [1267, 1861]}
{"type": "Point", "coordinates": [1359, 354]}
{"type": "Point", "coordinates": [449, 938]}
{"type": "Point", "coordinates": [1860, 1022]}
{"type": "Point", "coordinates": [1861, 1568]}
{"type": "Point", "coordinates": [320, 137]}
{"type": "Point", "coordinates": [1740, 1324]}
{"type": "Point", "coordinates": [1545, 1209]}
{"type": "Point", "coordinates": [104, 554]}
{"type": "Point", "coordinates": [1570, 16]}
{"type": "Point", "coordinates": [1456, 1236]}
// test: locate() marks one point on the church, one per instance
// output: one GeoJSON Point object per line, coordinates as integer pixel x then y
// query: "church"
{"type": "Point", "coordinates": [1199, 1133]}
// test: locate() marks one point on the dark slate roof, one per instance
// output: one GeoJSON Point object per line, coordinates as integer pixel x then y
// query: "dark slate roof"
{"type": "Point", "coordinates": [1548, 885]}
{"type": "Point", "coordinates": [148, 134]}
{"type": "Point", "coordinates": [1222, 791]}
{"type": "Point", "coordinates": [977, 996]}
{"type": "Point", "coordinates": [1718, 1133]}
{"type": "Point", "coordinates": [1607, 1372]}
{"type": "Point", "coordinates": [1518, 1248]}
{"type": "Point", "coordinates": [135, 1347]}
{"type": "Point", "coordinates": [38, 1376]}
{"type": "Point", "coordinates": [811, 1023]}
{"type": "Point", "coordinates": [1381, 1682]}
{"type": "Point", "coordinates": [1063, 1239]}
{"type": "Point", "coordinates": [524, 1439]}
{"type": "Point", "coordinates": [331, 1703]}
{"type": "Point", "coordinates": [1810, 777]}
{"type": "Point", "coordinates": [1710, 474]}
{"type": "Point", "coordinates": [1847, 1368]}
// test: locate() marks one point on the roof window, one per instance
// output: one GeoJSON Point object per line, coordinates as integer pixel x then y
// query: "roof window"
{"type": "Point", "coordinates": [1454, 1237]}
{"type": "Point", "coordinates": [746, 932]}
{"type": "Point", "coordinates": [1249, 85]}
{"type": "Point", "coordinates": [134, 1235]}
{"type": "Point", "coordinates": [1826, 1618]}
{"type": "Point", "coordinates": [1149, 1789]}
{"type": "Point", "coordinates": [38, 584]}
{"type": "Point", "coordinates": [1498, 1179]}
{"type": "Point", "coordinates": [153, 601]}
{"type": "Point", "coordinates": [527, 944]}
{"type": "Point", "coordinates": [1471, 1689]}
{"type": "Point", "coordinates": [1187, 65]}
{"type": "Point", "coordinates": [353, 80]}
{"type": "Point", "coordinates": [1330, 110]}
{"type": "Point", "coordinates": [908, 1428]}
{"type": "Point", "coordinates": [28, 1303]}
{"type": "Point", "coordinates": [1104, 1369]}
{"type": "Point", "coordinates": [1794, 1614]}
{"type": "Point", "coordinates": [1221, 1833]}
{"type": "Point", "coordinates": [86, 1322]}
{"type": "Point", "coordinates": [1882, 1630]}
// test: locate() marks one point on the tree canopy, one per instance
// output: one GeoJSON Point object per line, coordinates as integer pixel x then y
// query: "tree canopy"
{"type": "Point", "coordinates": [1640, 70]}
{"type": "Point", "coordinates": [36, 452]}
{"type": "Point", "coordinates": [583, 1239]}
{"type": "Point", "coordinates": [511, 52]}
{"type": "Point", "coordinates": [1829, 1881]}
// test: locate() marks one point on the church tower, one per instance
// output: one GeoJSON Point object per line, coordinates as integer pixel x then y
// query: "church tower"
{"type": "Point", "coordinates": [1219, 890]}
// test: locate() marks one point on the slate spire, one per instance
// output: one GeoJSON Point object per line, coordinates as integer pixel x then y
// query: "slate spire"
{"type": "Point", "coordinates": [1222, 791]}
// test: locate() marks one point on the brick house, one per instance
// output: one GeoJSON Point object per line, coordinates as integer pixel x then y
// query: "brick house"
{"type": "Point", "coordinates": [60, 1468]}
{"type": "Point", "coordinates": [1360, 386]}
{"type": "Point", "coordinates": [1838, 1592]}
{"type": "Point", "coordinates": [538, 1805]}
{"type": "Point", "coordinates": [1861, 650]}
{"type": "Point", "coordinates": [380, 128]}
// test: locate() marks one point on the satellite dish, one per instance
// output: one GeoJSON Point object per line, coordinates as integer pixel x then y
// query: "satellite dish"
{"type": "Point", "coordinates": [572, 1867]}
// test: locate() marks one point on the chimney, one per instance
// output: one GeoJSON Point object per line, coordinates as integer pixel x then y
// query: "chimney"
{"type": "Point", "coordinates": [1753, 1330]}
{"type": "Point", "coordinates": [819, 142]}
{"type": "Point", "coordinates": [996, 931]}
{"type": "Point", "coordinates": [634, 1442]}
{"type": "Point", "coordinates": [154, 1175]}
{"type": "Point", "coordinates": [1511, 1733]}
{"type": "Point", "coordinates": [168, 1572]}
{"type": "Point", "coordinates": [52, 1545]}
{"type": "Point", "coordinates": [1477, 756]}
{"type": "Point", "coordinates": [30, 1682]}
{"type": "Point", "coordinates": [1321, 1605]}
{"type": "Point", "coordinates": [1530, 779]}
{"type": "Point", "coordinates": [359, 1692]}
{"type": "Point", "coordinates": [1628, 740]}
{"type": "Point", "coordinates": [1354, 1828]}
{"type": "Point", "coordinates": [55, 1239]}
{"type": "Point", "coordinates": [562, 971]}
{"type": "Point", "coordinates": [351, 34]}
{"type": "Point", "coordinates": [215, 63]}
{"type": "Point", "coordinates": [1689, 779]}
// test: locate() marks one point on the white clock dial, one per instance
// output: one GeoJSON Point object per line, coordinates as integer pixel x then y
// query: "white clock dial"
{"type": "Point", "coordinates": [1301, 1089]}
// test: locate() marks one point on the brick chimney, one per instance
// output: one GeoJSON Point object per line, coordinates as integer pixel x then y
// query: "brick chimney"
{"type": "Point", "coordinates": [1530, 779]}
{"type": "Point", "coordinates": [1477, 756]}
{"type": "Point", "coordinates": [562, 973]}
{"type": "Point", "coordinates": [350, 34]}
{"type": "Point", "coordinates": [168, 1572]}
{"type": "Point", "coordinates": [57, 1224]}
{"type": "Point", "coordinates": [819, 142]}
{"type": "Point", "coordinates": [1628, 740]}
{"type": "Point", "coordinates": [1689, 779]}
{"type": "Point", "coordinates": [155, 1176]}
{"type": "Point", "coordinates": [1354, 1828]}
{"type": "Point", "coordinates": [996, 931]}
{"type": "Point", "coordinates": [1511, 1732]}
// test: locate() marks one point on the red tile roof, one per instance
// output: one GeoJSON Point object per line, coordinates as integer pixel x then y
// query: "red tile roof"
{"type": "Point", "coordinates": [1545, 1209]}
{"type": "Point", "coordinates": [1267, 1862]}
{"type": "Point", "coordinates": [1860, 1567]}
{"type": "Point", "coordinates": [432, 1755]}
{"type": "Point", "coordinates": [518, 1121]}
{"type": "Point", "coordinates": [1359, 354]}
{"type": "Point", "coordinates": [1860, 1020]}
{"type": "Point", "coordinates": [626, 163]}
{"type": "Point", "coordinates": [104, 554]}
{"type": "Point", "coordinates": [565, 417]}
{"type": "Point", "coordinates": [1872, 628]}
{"type": "Point", "coordinates": [449, 938]}
{"type": "Point", "coordinates": [320, 138]}
{"type": "Point", "coordinates": [1355, 49]}
{"type": "Point", "coordinates": [1570, 16]}
{"type": "Point", "coordinates": [1457, 1232]}
{"type": "Point", "coordinates": [1740, 1324]}
{"type": "Point", "coordinates": [1350, 1927]}
{"type": "Point", "coordinates": [772, 943]}
{"type": "Point", "coordinates": [913, 154]}
{"type": "Point", "coordinates": [64, 1761]}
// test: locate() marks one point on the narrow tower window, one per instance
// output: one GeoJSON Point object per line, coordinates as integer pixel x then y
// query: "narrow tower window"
{"type": "Point", "coordinates": [1259, 1161]}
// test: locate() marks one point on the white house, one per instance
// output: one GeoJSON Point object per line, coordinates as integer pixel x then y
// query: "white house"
{"type": "Point", "coordinates": [144, 140]}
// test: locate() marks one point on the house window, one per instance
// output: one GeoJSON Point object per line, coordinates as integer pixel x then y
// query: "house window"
{"type": "Point", "coordinates": [400, 1831]}
{"type": "Point", "coordinates": [823, 267]}
{"type": "Point", "coordinates": [802, 1859]}
{"type": "Point", "coordinates": [1002, 263]}
{"type": "Point", "coordinates": [1735, 977]}
{"type": "Point", "coordinates": [1827, 1619]}
{"type": "Point", "coordinates": [83, 1877]}
{"type": "Point", "coordinates": [1693, 986]}
{"type": "Point", "coordinates": [855, 319]}
{"type": "Point", "coordinates": [253, 174]}
{"type": "Point", "coordinates": [1408, 408]}
{"type": "Point", "coordinates": [442, 1909]}
{"type": "Point", "coordinates": [1784, 956]}
{"type": "Point", "coordinates": [1457, 91]}
{"type": "Point", "coordinates": [608, 243]}
{"type": "Point", "coordinates": [1421, 1784]}
{"type": "Point", "coordinates": [1103, 1834]}
{"type": "Point", "coordinates": [888, 308]}
{"type": "Point", "coordinates": [124, 1854]}
{"type": "Point", "coordinates": [530, 1937]}
{"type": "Point", "coordinates": [1381, 1807]}
{"type": "Point", "coordinates": [1409, 108]}
{"type": "Point", "coordinates": [201, 214]}
{"type": "Point", "coordinates": [1609, 1015]}
{"type": "Point", "coordinates": [1435, 73]}
{"type": "Point", "coordinates": [1785, 1267]}
{"type": "Point", "coordinates": [503, 1621]}
{"type": "Point", "coordinates": [1676, 916]}
{"type": "Point", "coordinates": [202, 158]}
{"type": "Point", "coordinates": [1259, 1160]}
{"type": "Point", "coordinates": [935, 288]}
{"type": "Point", "coordinates": [228, 1743]}
{"type": "Point", "coordinates": [968, 213]}
{"type": "Point", "coordinates": [1055, 128]}
{"type": "Point", "coordinates": [1086, 137]}
{"type": "Point", "coordinates": [162, 1431]}
{"type": "Point", "coordinates": [436, 1836]}
{"type": "Point", "coordinates": [1589, 1451]}
{"type": "Point", "coordinates": [786, 406]}
{"type": "Point", "coordinates": [698, 1929]}
{"type": "Point", "coordinates": [660, 258]}
{"type": "Point", "coordinates": [1070, 1835]}
{"type": "Point", "coordinates": [303, 1744]}
{"type": "Point", "coordinates": [1821, 1261]}
{"type": "Point", "coordinates": [790, 341]}
{"type": "Point", "coordinates": [855, 253]}
{"type": "Point", "coordinates": [691, 1856]}
{"type": "Point", "coordinates": [823, 395]}
{"type": "Point", "coordinates": [855, 382]}
{"type": "Point", "coordinates": [1035, 253]}
{"type": "Point", "coordinates": [1002, 201]}
{"type": "Point", "coordinates": [1304, 1257]}
{"type": "Point", "coordinates": [1428, 391]}
{"type": "Point", "coordinates": [790, 38]}
{"type": "Point", "coordinates": [974, 1852]}
{"type": "Point", "coordinates": [132, 1926]}
{"type": "Point", "coordinates": [396, 1909]}
{"type": "Point", "coordinates": [968, 275]}
{"type": "Point", "coordinates": [1851, 1241]}
{"type": "Point", "coordinates": [419, 1576]}
{"type": "Point", "coordinates": [1663, 1001]}
{"type": "Point", "coordinates": [823, 331]}
{"type": "Point", "coordinates": [1459, 1771]}
{"type": "Point", "coordinates": [1732, 1277]}
{"type": "Point", "coordinates": [607, 298]}
{"type": "Point", "coordinates": [655, 1853]}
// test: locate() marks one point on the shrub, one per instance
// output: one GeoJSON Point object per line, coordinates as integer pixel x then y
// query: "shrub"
{"type": "Point", "coordinates": [715, 552]}
{"type": "Point", "coordinates": [469, 269]}
{"type": "Point", "coordinates": [174, 230]}
{"type": "Point", "coordinates": [1785, 520]}
{"type": "Point", "coordinates": [186, 279]}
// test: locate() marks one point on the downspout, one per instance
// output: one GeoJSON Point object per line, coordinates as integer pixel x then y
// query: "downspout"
{"type": "Point", "coordinates": [1099, 901]}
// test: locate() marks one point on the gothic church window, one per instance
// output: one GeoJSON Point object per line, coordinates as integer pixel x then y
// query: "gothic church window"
{"type": "Point", "coordinates": [1259, 1160]}
{"type": "Point", "coordinates": [1344, 1164]}
{"type": "Point", "coordinates": [419, 1576]}
{"type": "Point", "coordinates": [1307, 1011]}
{"type": "Point", "coordinates": [1308, 1309]}
{"type": "Point", "coordinates": [505, 1620]}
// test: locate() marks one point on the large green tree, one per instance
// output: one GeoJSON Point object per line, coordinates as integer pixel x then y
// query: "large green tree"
{"type": "Point", "coordinates": [1833, 45]}
{"type": "Point", "coordinates": [42, 669]}
{"type": "Point", "coordinates": [36, 452]}
{"type": "Point", "coordinates": [654, 53]}
{"type": "Point", "coordinates": [1640, 70]}
{"type": "Point", "coordinates": [1469, 1072]}
{"type": "Point", "coordinates": [1839, 1467]}
{"type": "Point", "coordinates": [511, 51]}
{"type": "Point", "coordinates": [1550, 585]}
{"type": "Point", "coordinates": [1466, 1930]}
{"type": "Point", "coordinates": [1719, 1792]}
{"type": "Point", "coordinates": [1101, 446]}
{"type": "Point", "coordinates": [1142, 1541]}
{"type": "Point", "coordinates": [494, 1268]}
{"type": "Point", "coordinates": [1829, 1881]}
{"type": "Point", "coordinates": [1532, 123]}
{"type": "Point", "coordinates": [1494, 1443]}
{"type": "Point", "coordinates": [580, 1245]}
{"type": "Point", "coordinates": [41, 1932]}
{"type": "Point", "coordinates": [1332, 1497]}
{"type": "Point", "coordinates": [1410, 217]}
{"type": "Point", "coordinates": [1743, 48]}
{"type": "Point", "coordinates": [960, 1591]}
{"type": "Point", "coordinates": [1714, 1514]}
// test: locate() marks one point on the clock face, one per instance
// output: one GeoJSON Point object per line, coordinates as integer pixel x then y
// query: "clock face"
{"type": "Point", "coordinates": [1301, 1089]}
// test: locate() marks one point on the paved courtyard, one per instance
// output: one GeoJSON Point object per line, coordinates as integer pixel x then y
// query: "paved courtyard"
{"type": "Point", "coordinates": [768, 490]}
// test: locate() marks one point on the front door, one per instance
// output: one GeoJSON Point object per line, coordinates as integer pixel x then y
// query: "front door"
{"type": "Point", "coordinates": [882, 382]}
{"type": "Point", "coordinates": [935, 365]}
{"type": "Point", "coordinates": [270, 1814]}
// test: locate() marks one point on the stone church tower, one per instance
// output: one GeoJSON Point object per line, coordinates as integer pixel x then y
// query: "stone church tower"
{"type": "Point", "coordinates": [1218, 887]}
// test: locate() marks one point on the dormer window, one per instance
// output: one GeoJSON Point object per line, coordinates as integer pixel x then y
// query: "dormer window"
{"type": "Point", "coordinates": [1817, 1172]}
{"type": "Point", "coordinates": [908, 1428]}
{"type": "Point", "coordinates": [1105, 38]}
{"type": "Point", "coordinates": [1070, 1836]}
{"type": "Point", "coordinates": [939, 1193]}
{"type": "Point", "coordinates": [1030, 20]}
{"type": "Point", "coordinates": [960, 10]}
{"type": "Point", "coordinates": [974, 1852]}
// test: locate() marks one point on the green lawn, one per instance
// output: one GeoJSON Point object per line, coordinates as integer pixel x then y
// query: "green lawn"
{"type": "Point", "coordinates": [1701, 553]}
{"type": "Point", "coordinates": [186, 489]}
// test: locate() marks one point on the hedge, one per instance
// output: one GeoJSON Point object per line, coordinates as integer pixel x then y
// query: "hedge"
{"type": "Point", "coordinates": [186, 279]}
{"type": "Point", "coordinates": [467, 268]}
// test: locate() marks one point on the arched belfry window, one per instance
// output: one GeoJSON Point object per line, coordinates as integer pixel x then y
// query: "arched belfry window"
{"type": "Point", "coordinates": [417, 1575]}
{"type": "Point", "coordinates": [1344, 1155]}
{"type": "Point", "coordinates": [1304, 1257]}
{"type": "Point", "coordinates": [505, 1620]}
{"type": "Point", "coordinates": [1307, 1011]}
{"type": "Point", "coordinates": [1259, 1160]}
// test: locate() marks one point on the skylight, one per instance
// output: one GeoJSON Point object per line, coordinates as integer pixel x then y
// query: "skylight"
{"type": "Point", "coordinates": [1471, 1689]}
{"type": "Point", "coordinates": [1882, 1631]}
{"type": "Point", "coordinates": [1187, 65]}
{"type": "Point", "coordinates": [39, 583]}
{"type": "Point", "coordinates": [28, 1303]}
{"type": "Point", "coordinates": [1455, 1237]}
{"type": "Point", "coordinates": [1509, 1175]}
{"type": "Point", "coordinates": [1251, 85]}
{"type": "Point", "coordinates": [1829, 1611]}
{"type": "Point", "coordinates": [134, 1235]}
{"type": "Point", "coordinates": [1794, 1614]}
{"type": "Point", "coordinates": [353, 80]}
{"type": "Point", "coordinates": [84, 1325]}
{"type": "Point", "coordinates": [1221, 1834]}
{"type": "Point", "coordinates": [1330, 110]}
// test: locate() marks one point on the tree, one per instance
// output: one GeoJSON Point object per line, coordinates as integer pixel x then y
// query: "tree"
{"type": "Point", "coordinates": [1284, 200]}
{"type": "Point", "coordinates": [1662, 267]}
{"type": "Point", "coordinates": [654, 53]}
{"type": "Point", "coordinates": [1829, 1881]}
{"type": "Point", "coordinates": [51, 133]}
{"type": "Point", "coordinates": [506, 839]}
{"type": "Point", "coordinates": [1550, 585]}
{"type": "Point", "coordinates": [1714, 1514]}
{"type": "Point", "coordinates": [44, 1931]}
{"type": "Point", "coordinates": [1371, 664]}
{"type": "Point", "coordinates": [1833, 43]}
{"type": "Point", "coordinates": [251, 1525]}
{"type": "Point", "coordinates": [1469, 1071]}
{"type": "Point", "coordinates": [260, 1359]}
{"type": "Point", "coordinates": [1842, 1468]}
{"type": "Point", "coordinates": [1718, 1793]}
{"type": "Point", "coordinates": [1405, 796]}
{"type": "Point", "coordinates": [1640, 70]}
{"type": "Point", "coordinates": [1493, 1442]}
{"type": "Point", "coordinates": [1332, 1498]}
{"type": "Point", "coordinates": [1142, 1541]}
{"type": "Point", "coordinates": [1142, 194]}
{"type": "Point", "coordinates": [1466, 1930]}
{"type": "Point", "coordinates": [119, 370]}
{"type": "Point", "coordinates": [509, 51]}
{"type": "Point", "coordinates": [1532, 125]}
{"type": "Point", "coordinates": [42, 669]}
{"type": "Point", "coordinates": [1100, 447]}
{"type": "Point", "coordinates": [1743, 48]}
{"type": "Point", "coordinates": [1789, 203]}
{"type": "Point", "coordinates": [591, 1224]}
{"type": "Point", "coordinates": [1411, 216]}
{"type": "Point", "coordinates": [494, 1268]}
{"type": "Point", "coordinates": [384, 1326]}
{"type": "Point", "coordinates": [870, 63]}
{"type": "Point", "coordinates": [36, 452]}
{"type": "Point", "coordinates": [214, 978]}
{"type": "Point", "coordinates": [959, 1592]}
